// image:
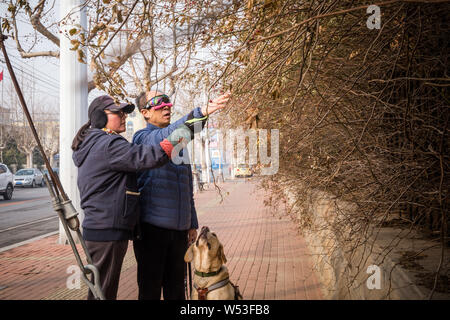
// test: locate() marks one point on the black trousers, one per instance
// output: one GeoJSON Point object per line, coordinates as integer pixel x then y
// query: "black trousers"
{"type": "Point", "coordinates": [108, 258]}
{"type": "Point", "coordinates": [160, 262]}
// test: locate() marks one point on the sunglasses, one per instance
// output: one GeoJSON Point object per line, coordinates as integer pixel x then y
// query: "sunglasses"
{"type": "Point", "coordinates": [158, 102]}
{"type": "Point", "coordinates": [120, 113]}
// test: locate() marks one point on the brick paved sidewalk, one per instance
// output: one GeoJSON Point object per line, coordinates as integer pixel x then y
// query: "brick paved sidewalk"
{"type": "Point", "coordinates": [266, 257]}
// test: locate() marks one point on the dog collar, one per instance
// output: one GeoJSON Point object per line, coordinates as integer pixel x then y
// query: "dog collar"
{"type": "Point", "coordinates": [207, 274]}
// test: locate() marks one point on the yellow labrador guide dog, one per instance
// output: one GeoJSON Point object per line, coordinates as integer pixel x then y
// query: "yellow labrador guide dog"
{"type": "Point", "coordinates": [211, 278]}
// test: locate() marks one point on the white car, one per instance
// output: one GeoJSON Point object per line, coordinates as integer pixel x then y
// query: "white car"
{"type": "Point", "coordinates": [243, 170]}
{"type": "Point", "coordinates": [6, 182]}
{"type": "Point", "coordinates": [29, 177]}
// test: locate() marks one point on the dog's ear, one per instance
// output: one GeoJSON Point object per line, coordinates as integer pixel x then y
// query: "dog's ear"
{"type": "Point", "coordinates": [222, 255]}
{"type": "Point", "coordinates": [189, 255]}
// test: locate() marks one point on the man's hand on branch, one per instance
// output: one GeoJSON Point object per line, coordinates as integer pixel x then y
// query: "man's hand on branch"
{"type": "Point", "coordinates": [216, 104]}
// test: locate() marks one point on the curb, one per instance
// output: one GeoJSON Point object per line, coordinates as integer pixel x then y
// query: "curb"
{"type": "Point", "coordinates": [28, 241]}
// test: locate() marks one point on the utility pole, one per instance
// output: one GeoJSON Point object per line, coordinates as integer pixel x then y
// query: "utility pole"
{"type": "Point", "coordinates": [73, 102]}
{"type": "Point", "coordinates": [33, 88]}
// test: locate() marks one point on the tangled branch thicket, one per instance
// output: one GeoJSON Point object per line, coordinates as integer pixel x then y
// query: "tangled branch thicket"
{"type": "Point", "coordinates": [363, 114]}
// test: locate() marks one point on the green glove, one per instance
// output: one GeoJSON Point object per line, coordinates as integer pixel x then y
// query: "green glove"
{"type": "Point", "coordinates": [186, 131]}
{"type": "Point", "coordinates": [192, 122]}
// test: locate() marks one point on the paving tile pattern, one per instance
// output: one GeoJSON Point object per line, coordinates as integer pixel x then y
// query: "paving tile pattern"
{"type": "Point", "coordinates": [266, 256]}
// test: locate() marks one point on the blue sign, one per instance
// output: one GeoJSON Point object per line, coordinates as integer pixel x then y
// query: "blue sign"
{"type": "Point", "coordinates": [215, 163]}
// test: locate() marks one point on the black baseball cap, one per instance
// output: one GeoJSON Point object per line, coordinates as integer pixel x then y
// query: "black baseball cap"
{"type": "Point", "coordinates": [107, 103]}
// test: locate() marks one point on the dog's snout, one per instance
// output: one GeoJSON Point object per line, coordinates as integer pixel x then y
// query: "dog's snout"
{"type": "Point", "coordinates": [204, 232]}
{"type": "Point", "coordinates": [205, 229]}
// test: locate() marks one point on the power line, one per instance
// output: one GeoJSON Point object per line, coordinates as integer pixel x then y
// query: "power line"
{"type": "Point", "coordinates": [23, 65]}
{"type": "Point", "coordinates": [43, 92]}
{"type": "Point", "coordinates": [28, 68]}
{"type": "Point", "coordinates": [21, 61]}
{"type": "Point", "coordinates": [48, 85]}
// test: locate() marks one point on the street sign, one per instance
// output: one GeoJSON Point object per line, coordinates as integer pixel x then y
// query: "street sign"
{"type": "Point", "coordinates": [215, 163]}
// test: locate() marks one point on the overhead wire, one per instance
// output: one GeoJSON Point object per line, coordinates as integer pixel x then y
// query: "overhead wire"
{"type": "Point", "coordinates": [27, 67]}
{"type": "Point", "coordinates": [36, 89]}
{"type": "Point", "coordinates": [48, 83]}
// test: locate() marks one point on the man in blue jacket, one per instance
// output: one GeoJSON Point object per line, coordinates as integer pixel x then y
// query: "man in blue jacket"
{"type": "Point", "coordinates": [168, 216]}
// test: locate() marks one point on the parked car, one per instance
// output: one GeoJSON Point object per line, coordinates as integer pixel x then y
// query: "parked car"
{"type": "Point", "coordinates": [6, 182]}
{"type": "Point", "coordinates": [55, 170]}
{"type": "Point", "coordinates": [45, 171]}
{"type": "Point", "coordinates": [242, 170]}
{"type": "Point", "coordinates": [28, 177]}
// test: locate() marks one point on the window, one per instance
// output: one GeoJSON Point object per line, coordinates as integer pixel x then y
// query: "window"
{"type": "Point", "coordinates": [24, 172]}
{"type": "Point", "coordinates": [2, 169]}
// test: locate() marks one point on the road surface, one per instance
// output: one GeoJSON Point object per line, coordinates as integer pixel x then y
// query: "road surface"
{"type": "Point", "coordinates": [29, 214]}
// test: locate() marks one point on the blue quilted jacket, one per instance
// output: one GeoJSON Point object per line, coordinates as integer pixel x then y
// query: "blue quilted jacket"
{"type": "Point", "coordinates": [167, 199]}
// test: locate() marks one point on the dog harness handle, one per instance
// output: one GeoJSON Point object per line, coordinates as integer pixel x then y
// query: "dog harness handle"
{"type": "Point", "coordinates": [202, 292]}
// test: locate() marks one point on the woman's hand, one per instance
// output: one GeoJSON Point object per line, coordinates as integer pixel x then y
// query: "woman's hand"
{"type": "Point", "coordinates": [216, 104]}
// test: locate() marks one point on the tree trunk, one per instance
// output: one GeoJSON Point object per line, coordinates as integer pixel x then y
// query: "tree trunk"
{"type": "Point", "coordinates": [204, 168]}
{"type": "Point", "coordinates": [30, 159]}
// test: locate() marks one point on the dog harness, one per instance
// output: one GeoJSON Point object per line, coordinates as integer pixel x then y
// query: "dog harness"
{"type": "Point", "coordinates": [203, 292]}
